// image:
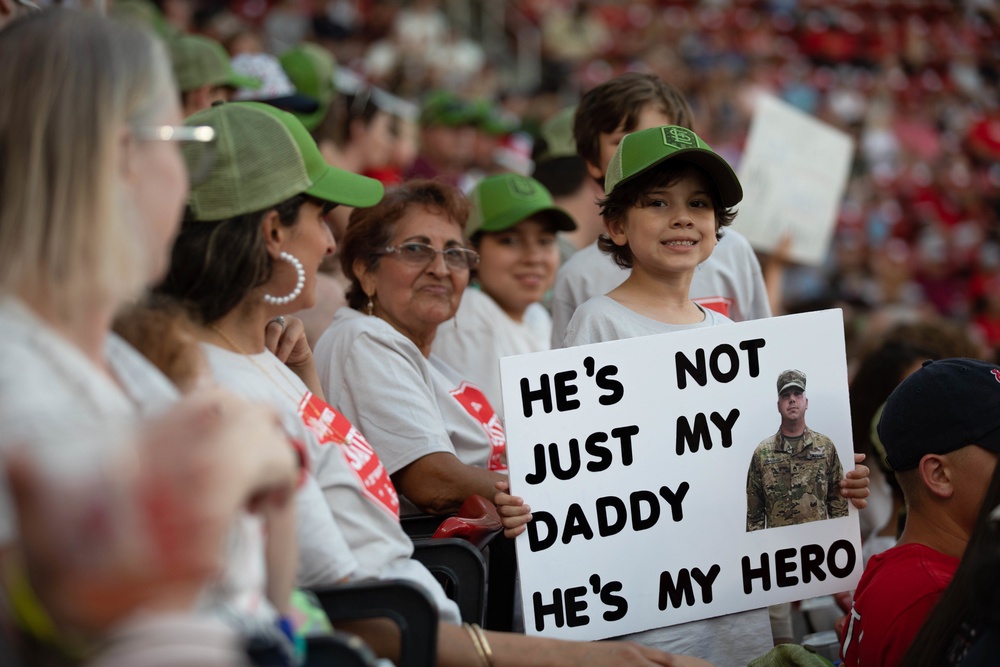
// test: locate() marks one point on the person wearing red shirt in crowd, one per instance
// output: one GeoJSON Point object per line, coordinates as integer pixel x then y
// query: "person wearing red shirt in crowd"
{"type": "Point", "coordinates": [941, 433]}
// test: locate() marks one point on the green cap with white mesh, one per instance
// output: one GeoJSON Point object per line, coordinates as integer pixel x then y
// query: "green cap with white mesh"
{"type": "Point", "coordinates": [261, 157]}
{"type": "Point", "coordinates": [640, 151]}
{"type": "Point", "coordinates": [557, 133]}
{"type": "Point", "coordinates": [199, 61]}
{"type": "Point", "coordinates": [499, 202]}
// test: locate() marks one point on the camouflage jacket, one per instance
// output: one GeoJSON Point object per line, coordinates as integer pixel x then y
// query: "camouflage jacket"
{"type": "Point", "coordinates": [790, 487]}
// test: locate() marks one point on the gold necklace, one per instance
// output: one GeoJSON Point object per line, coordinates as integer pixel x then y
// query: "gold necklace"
{"type": "Point", "coordinates": [261, 367]}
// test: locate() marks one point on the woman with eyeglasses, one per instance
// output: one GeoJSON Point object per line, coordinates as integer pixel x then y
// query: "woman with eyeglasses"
{"type": "Point", "coordinates": [125, 492]}
{"type": "Point", "coordinates": [512, 225]}
{"type": "Point", "coordinates": [436, 434]}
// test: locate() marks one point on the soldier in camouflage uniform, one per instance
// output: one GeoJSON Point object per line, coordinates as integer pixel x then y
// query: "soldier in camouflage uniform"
{"type": "Point", "coordinates": [795, 474]}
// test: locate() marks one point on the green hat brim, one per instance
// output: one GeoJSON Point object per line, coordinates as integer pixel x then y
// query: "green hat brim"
{"type": "Point", "coordinates": [718, 170]}
{"type": "Point", "coordinates": [562, 221]}
{"type": "Point", "coordinates": [339, 186]}
{"type": "Point", "coordinates": [235, 80]}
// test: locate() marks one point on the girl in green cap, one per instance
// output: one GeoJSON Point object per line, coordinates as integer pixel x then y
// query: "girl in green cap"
{"type": "Point", "coordinates": [512, 225]}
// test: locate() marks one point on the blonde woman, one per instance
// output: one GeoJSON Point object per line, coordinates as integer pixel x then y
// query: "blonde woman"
{"type": "Point", "coordinates": [91, 187]}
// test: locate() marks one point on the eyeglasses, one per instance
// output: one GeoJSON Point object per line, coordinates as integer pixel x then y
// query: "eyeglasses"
{"type": "Point", "coordinates": [198, 133]}
{"type": "Point", "coordinates": [201, 159]}
{"type": "Point", "coordinates": [457, 259]}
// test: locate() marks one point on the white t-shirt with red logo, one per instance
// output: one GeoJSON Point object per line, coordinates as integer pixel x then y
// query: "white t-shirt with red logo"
{"type": "Point", "coordinates": [354, 486]}
{"type": "Point", "coordinates": [408, 406]}
{"type": "Point", "coordinates": [481, 333]}
{"type": "Point", "coordinates": [730, 282]}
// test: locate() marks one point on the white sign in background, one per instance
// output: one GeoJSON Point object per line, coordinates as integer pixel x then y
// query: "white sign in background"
{"type": "Point", "coordinates": [793, 171]}
{"type": "Point", "coordinates": [679, 556]}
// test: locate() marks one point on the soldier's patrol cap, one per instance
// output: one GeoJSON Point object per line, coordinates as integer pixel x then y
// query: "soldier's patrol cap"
{"type": "Point", "coordinates": [791, 378]}
{"type": "Point", "coordinates": [946, 405]}
{"type": "Point", "coordinates": [640, 151]}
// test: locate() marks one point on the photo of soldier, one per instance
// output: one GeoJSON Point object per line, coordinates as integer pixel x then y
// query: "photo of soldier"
{"type": "Point", "coordinates": [795, 474]}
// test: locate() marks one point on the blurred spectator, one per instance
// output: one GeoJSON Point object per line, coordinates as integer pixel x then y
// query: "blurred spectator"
{"type": "Point", "coordinates": [571, 36]}
{"type": "Point", "coordinates": [275, 87]}
{"type": "Point", "coordinates": [564, 174]}
{"type": "Point", "coordinates": [447, 138]}
{"type": "Point", "coordinates": [204, 74]}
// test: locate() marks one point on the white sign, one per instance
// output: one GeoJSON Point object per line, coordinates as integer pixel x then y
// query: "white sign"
{"type": "Point", "coordinates": [794, 171]}
{"type": "Point", "coordinates": [634, 457]}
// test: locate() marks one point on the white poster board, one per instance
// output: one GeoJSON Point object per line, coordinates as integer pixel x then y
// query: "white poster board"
{"type": "Point", "coordinates": [794, 171]}
{"type": "Point", "coordinates": [637, 530]}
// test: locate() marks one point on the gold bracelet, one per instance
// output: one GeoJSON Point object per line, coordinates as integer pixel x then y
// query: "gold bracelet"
{"type": "Point", "coordinates": [475, 642]}
{"type": "Point", "coordinates": [487, 650]}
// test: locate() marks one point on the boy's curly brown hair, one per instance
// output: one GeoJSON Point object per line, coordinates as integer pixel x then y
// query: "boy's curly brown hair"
{"type": "Point", "coordinates": [631, 193]}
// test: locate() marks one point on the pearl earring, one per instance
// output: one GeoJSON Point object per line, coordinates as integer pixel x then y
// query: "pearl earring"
{"type": "Point", "coordinates": [299, 284]}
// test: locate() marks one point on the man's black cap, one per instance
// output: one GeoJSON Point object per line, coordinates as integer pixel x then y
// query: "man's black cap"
{"type": "Point", "coordinates": [946, 405]}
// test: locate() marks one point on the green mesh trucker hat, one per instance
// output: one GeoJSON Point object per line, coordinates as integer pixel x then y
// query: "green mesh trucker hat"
{"type": "Point", "coordinates": [310, 68]}
{"type": "Point", "coordinates": [557, 133]}
{"type": "Point", "coordinates": [199, 61]}
{"type": "Point", "coordinates": [261, 157]}
{"type": "Point", "coordinates": [499, 202]}
{"type": "Point", "coordinates": [640, 151]}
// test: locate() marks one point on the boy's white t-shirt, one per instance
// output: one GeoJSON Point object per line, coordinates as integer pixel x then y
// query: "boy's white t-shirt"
{"type": "Point", "coordinates": [407, 406]}
{"type": "Point", "coordinates": [481, 333]}
{"type": "Point", "coordinates": [366, 541]}
{"type": "Point", "coordinates": [730, 280]}
{"type": "Point", "coordinates": [602, 318]}
{"type": "Point", "coordinates": [733, 639]}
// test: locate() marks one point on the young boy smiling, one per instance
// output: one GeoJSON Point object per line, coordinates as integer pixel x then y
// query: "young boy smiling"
{"type": "Point", "coordinates": [668, 196]}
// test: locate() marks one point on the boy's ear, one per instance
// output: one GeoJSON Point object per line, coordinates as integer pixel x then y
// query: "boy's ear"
{"type": "Point", "coordinates": [616, 231]}
{"type": "Point", "coordinates": [595, 172]}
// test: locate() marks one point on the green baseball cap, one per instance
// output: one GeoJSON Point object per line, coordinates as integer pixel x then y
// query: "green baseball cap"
{"type": "Point", "coordinates": [490, 120]}
{"type": "Point", "coordinates": [199, 61]}
{"type": "Point", "coordinates": [446, 109]}
{"type": "Point", "coordinates": [311, 68]}
{"type": "Point", "coordinates": [557, 133]}
{"type": "Point", "coordinates": [640, 151]}
{"type": "Point", "coordinates": [261, 157]}
{"type": "Point", "coordinates": [499, 202]}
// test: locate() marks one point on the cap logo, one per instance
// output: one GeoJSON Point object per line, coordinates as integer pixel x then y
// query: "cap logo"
{"type": "Point", "coordinates": [679, 137]}
{"type": "Point", "coordinates": [996, 374]}
{"type": "Point", "coordinates": [521, 187]}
